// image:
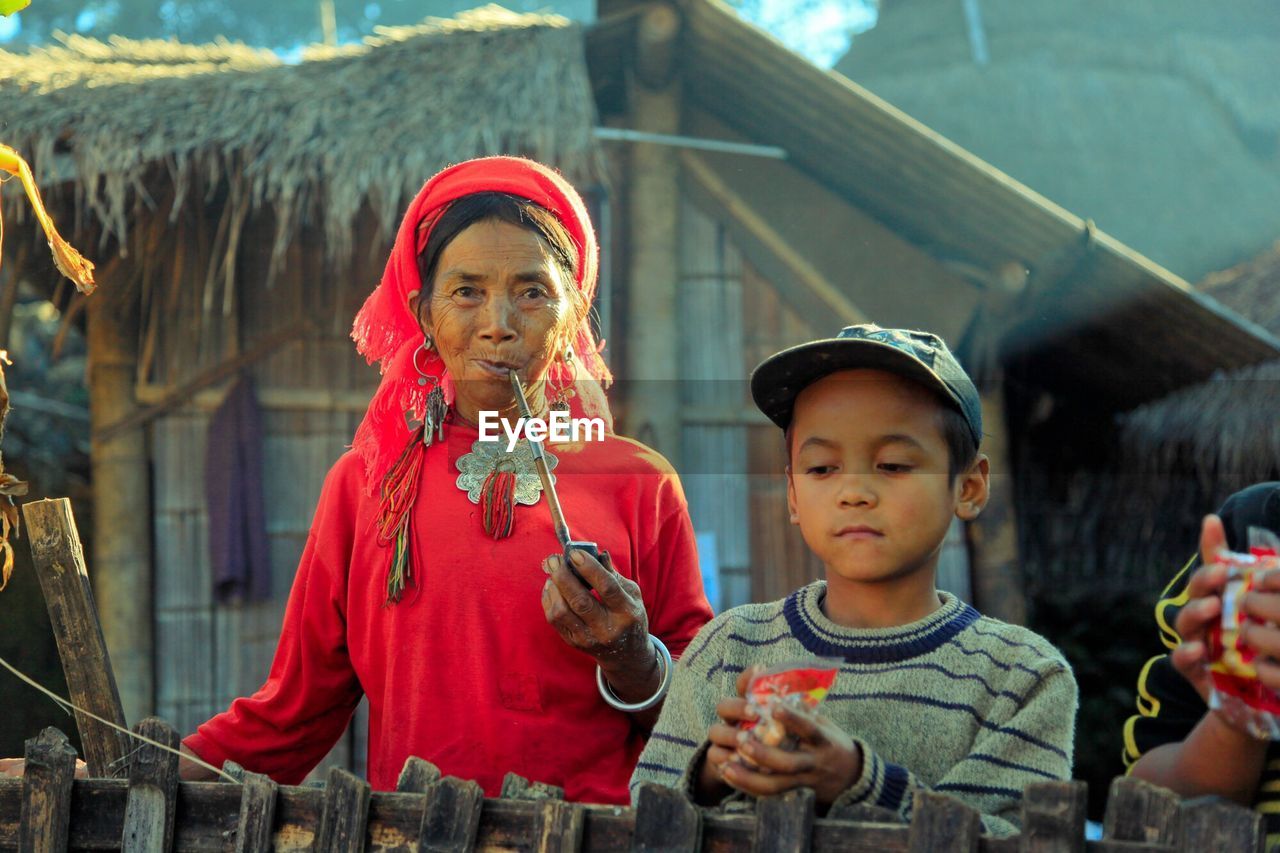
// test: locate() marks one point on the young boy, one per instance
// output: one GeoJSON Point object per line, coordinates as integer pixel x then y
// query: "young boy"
{"type": "Point", "coordinates": [1175, 740]}
{"type": "Point", "coordinates": [882, 429]}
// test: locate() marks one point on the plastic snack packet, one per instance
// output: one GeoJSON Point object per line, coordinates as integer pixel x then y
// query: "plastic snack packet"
{"type": "Point", "coordinates": [1236, 691]}
{"type": "Point", "coordinates": [796, 684]}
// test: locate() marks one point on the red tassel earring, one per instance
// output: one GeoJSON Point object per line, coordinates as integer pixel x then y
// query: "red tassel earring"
{"type": "Point", "coordinates": [400, 485]}
{"type": "Point", "coordinates": [498, 500]}
{"type": "Point", "coordinates": [399, 490]}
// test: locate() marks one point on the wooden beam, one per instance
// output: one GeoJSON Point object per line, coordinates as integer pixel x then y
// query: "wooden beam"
{"type": "Point", "coordinates": [271, 399]}
{"type": "Point", "coordinates": [208, 813]}
{"type": "Point", "coordinates": [121, 478]}
{"type": "Point", "coordinates": [807, 275]}
{"type": "Point", "coordinates": [650, 410]}
{"type": "Point", "coordinates": [657, 37]}
{"type": "Point", "coordinates": [64, 578]}
{"type": "Point", "coordinates": [212, 376]}
{"type": "Point", "coordinates": [997, 579]}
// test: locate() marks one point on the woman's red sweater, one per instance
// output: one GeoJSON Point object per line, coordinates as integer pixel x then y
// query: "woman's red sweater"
{"type": "Point", "coordinates": [465, 671]}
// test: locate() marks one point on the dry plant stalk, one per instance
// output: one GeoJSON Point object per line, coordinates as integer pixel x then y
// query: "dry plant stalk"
{"type": "Point", "coordinates": [75, 267]}
{"type": "Point", "coordinates": [69, 262]}
{"type": "Point", "coordinates": [10, 487]}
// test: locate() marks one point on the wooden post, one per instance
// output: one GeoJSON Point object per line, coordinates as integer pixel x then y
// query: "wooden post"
{"type": "Point", "coordinates": [1140, 811]}
{"type": "Point", "coordinates": [64, 579]}
{"type": "Point", "coordinates": [346, 810]}
{"type": "Point", "coordinates": [666, 822]}
{"type": "Point", "coordinates": [46, 793]}
{"type": "Point", "coordinates": [121, 496]}
{"type": "Point", "coordinates": [784, 823]}
{"type": "Point", "coordinates": [1212, 823]}
{"type": "Point", "coordinates": [997, 579]}
{"type": "Point", "coordinates": [939, 822]}
{"type": "Point", "coordinates": [560, 827]}
{"type": "Point", "coordinates": [257, 814]}
{"type": "Point", "coordinates": [516, 787]}
{"type": "Point", "coordinates": [417, 776]}
{"type": "Point", "coordinates": [1053, 817]}
{"type": "Point", "coordinates": [152, 803]}
{"type": "Point", "coordinates": [652, 405]}
{"type": "Point", "coordinates": [450, 816]}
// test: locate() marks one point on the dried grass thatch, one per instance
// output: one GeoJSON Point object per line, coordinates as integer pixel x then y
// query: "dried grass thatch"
{"type": "Point", "coordinates": [345, 129]}
{"type": "Point", "coordinates": [1121, 510]}
{"type": "Point", "coordinates": [1193, 448]}
{"type": "Point", "coordinates": [1151, 117]}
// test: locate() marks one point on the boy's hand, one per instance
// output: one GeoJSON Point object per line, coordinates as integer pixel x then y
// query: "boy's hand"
{"type": "Point", "coordinates": [1204, 608]}
{"type": "Point", "coordinates": [724, 742]}
{"type": "Point", "coordinates": [826, 759]}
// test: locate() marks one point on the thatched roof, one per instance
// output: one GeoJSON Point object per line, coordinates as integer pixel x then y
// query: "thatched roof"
{"type": "Point", "coordinates": [1150, 116]}
{"type": "Point", "coordinates": [1226, 430]}
{"type": "Point", "coordinates": [345, 128]}
{"type": "Point", "coordinates": [1251, 289]}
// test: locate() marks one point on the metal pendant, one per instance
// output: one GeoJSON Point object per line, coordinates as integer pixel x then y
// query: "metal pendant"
{"type": "Point", "coordinates": [436, 412]}
{"type": "Point", "coordinates": [484, 458]}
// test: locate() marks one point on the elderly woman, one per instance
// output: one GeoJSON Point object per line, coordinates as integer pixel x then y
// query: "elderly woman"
{"type": "Point", "coordinates": [426, 583]}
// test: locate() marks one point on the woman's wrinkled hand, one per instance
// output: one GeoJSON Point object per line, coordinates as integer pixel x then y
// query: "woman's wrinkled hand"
{"type": "Point", "coordinates": [607, 621]}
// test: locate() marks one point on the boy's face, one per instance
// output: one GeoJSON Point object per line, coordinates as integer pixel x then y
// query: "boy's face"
{"type": "Point", "coordinates": [868, 481]}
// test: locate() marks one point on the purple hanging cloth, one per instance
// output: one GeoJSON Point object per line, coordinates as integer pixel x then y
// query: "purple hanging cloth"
{"type": "Point", "coordinates": [238, 550]}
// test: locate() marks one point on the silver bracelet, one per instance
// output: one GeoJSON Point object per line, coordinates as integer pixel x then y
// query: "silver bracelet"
{"type": "Point", "coordinates": [664, 663]}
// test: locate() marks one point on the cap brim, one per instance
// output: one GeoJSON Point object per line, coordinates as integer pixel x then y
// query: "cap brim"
{"type": "Point", "coordinates": [779, 379]}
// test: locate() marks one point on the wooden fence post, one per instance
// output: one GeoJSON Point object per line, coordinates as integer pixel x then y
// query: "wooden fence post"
{"type": "Point", "coordinates": [450, 816]}
{"type": "Point", "coordinates": [257, 814]}
{"type": "Point", "coordinates": [346, 811]}
{"type": "Point", "coordinates": [1212, 823]}
{"type": "Point", "coordinates": [784, 823]}
{"type": "Point", "coordinates": [1140, 811]}
{"type": "Point", "coordinates": [666, 822]}
{"type": "Point", "coordinates": [940, 822]}
{"type": "Point", "coordinates": [46, 793]}
{"type": "Point", "coordinates": [417, 776]}
{"type": "Point", "coordinates": [64, 579]}
{"type": "Point", "coordinates": [516, 787]}
{"type": "Point", "coordinates": [153, 791]}
{"type": "Point", "coordinates": [560, 827]}
{"type": "Point", "coordinates": [1053, 817]}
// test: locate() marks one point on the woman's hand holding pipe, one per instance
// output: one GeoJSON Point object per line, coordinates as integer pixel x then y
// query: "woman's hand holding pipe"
{"type": "Point", "coordinates": [610, 625]}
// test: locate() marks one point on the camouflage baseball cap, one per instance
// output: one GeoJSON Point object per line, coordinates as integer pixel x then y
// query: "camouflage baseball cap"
{"type": "Point", "coordinates": [921, 356]}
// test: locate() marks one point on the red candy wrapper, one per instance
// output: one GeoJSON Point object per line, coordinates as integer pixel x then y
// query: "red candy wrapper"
{"type": "Point", "coordinates": [798, 684]}
{"type": "Point", "coordinates": [1237, 693]}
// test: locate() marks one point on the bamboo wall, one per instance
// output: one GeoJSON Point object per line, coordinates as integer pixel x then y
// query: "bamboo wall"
{"type": "Point", "coordinates": [733, 458]}
{"type": "Point", "coordinates": [207, 654]}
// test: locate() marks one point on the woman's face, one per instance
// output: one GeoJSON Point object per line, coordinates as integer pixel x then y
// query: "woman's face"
{"type": "Point", "coordinates": [498, 301]}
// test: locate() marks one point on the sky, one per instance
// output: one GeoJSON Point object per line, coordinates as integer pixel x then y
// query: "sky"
{"type": "Point", "coordinates": [820, 31]}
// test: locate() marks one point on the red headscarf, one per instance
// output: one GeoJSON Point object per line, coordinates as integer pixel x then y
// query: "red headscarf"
{"type": "Point", "coordinates": [386, 331]}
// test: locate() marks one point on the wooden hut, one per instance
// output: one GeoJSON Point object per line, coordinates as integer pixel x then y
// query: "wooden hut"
{"type": "Point", "coordinates": [746, 200]}
{"type": "Point", "coordinates": [241, 209]}
{"type": "Point", "coordinates": [1156, 118]}
{"type": "Point", "coordinates": [1197, 446]}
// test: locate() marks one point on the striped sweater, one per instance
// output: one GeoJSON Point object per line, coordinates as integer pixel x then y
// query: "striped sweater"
{"type": "Point", "coordinates": [957, 702]}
